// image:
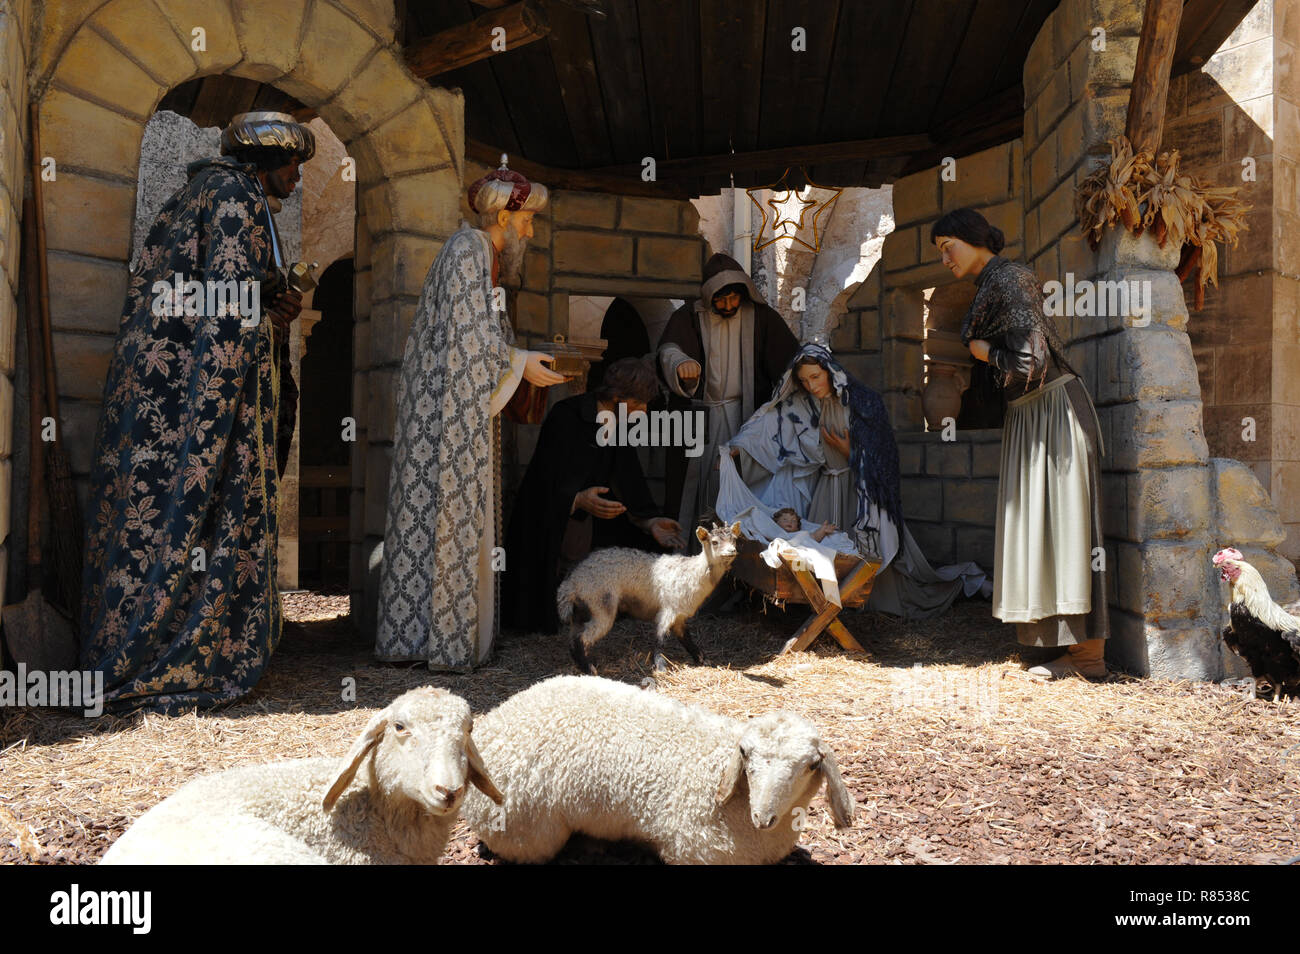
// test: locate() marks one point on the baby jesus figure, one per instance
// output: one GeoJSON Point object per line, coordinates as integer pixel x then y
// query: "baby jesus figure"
{"type": "Point", "coordinates": [788, 520]}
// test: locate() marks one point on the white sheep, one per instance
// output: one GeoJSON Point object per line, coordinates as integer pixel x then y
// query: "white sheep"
{"type": "Point", "coordinates": [663, 587]}
{"type": "Point", "coordinates": [304, 812]}
{"type": "Point", "coordinates": [609, 760]}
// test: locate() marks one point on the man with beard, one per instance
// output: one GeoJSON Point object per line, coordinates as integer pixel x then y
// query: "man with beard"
{"type": "Point", "coordinates": [180, 606]}
{"type": "Point", "coordinates": [438, 585]}
{"type": "Point", "coordinates": [721, 354]}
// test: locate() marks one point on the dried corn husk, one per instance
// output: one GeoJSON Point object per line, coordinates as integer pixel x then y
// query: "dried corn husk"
{"type": "Point", "coordinates": [1145, 192]}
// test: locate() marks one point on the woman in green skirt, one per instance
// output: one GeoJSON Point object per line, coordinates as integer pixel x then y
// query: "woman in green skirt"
{"type": "Point", "coordinates": [1049, 568]}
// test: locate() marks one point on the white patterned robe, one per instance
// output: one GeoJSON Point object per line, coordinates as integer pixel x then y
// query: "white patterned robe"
{"type": "Point", "coordinates": [438, 591]}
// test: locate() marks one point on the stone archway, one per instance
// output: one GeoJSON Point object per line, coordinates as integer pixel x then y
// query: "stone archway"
{"type": "Point", "coordinates": [336, 56]}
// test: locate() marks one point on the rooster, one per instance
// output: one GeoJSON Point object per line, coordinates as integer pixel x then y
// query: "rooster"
{"type": "Point", "coordinates": [1260, 631]}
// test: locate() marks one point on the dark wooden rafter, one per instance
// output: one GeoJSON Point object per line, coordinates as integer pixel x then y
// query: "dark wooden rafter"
{"type": "Point", "coordinates": [602, 92]}
{"type": "Point", "coordinates": [781, 158]}
{"type": "Point", "coordinates": [458, 46]}
{"type": "Point", "coordinates": [1155, 57]}
{"type": "Point", "coordinates": [218, 101]}
{"type": "Point", "coordinates": [576, 179]}
{"type": "Point", "coordinates": [575, 68]}
{"type": "Point", "coordinates": [1204, 25]}
{"type": "Point", "coordinates": [996, 120]}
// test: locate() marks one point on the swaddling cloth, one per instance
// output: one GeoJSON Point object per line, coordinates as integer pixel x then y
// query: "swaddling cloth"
{"type": "Point", "coordinates": [737, 504]}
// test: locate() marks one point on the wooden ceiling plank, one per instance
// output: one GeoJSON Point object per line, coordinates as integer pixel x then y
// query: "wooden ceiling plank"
{"type": "Point", "coordinates": [531, 93]}
{"type": "Point", "coordinates": [929, 43]}
{"type": "Point", "coordinates": [865, 33]}
{"type": "Point", "coordinates": [486, 116]}
{"type": "Point", "coordinates": [765, 160]}
{"type": "Point", "coordinates": [669, 31]}
{"type": "Point", "coordinates": [1011, 69]}
{"type": "Point", "coordinates": [971, 80]}
{"type": "Point", "coordinates": [616, 48]}
{"type": "Point", "coordinates": [794, 80]}
{"type": "Point", "coordinates": [579, 179]}
{"type": "Point", "coordinates": [731, 54]}
{"type": "Point", "coordinates": [579, 83]}
{"type": "Point", "coordinates": [1219, 23]}
{"type": "Point", "coordinates": [222, 97]}
{"type": "Point", "coordinates": [524, 23]}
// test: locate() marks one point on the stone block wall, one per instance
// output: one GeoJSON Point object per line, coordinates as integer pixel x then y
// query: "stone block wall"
{"type": "Point", "coordinates": [987, 181]}
{"type": "Point", "coordinates": [16, 21]}
{"type": "Point", "coordinates": [950, 494]}
{"type": "Point", "coordinates": [1234, 122]}
{"type": "Point", "coordinates": [890, 312]}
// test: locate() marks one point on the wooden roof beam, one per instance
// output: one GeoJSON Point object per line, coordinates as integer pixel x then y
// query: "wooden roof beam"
{"type": "Point", "coordinates": [724, 163]}
{"type": "Point", "coordinates": [1155, 57]}
{"type": "Point", "coordinates": [459, 46]}
{"type": "Point", "coordinates": [577, 179]}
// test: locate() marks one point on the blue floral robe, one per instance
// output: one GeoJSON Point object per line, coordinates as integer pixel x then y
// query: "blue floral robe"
{"type": "Point", "coordinates": [180, 606]}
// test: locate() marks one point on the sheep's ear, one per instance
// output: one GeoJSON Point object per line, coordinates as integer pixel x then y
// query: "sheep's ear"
{"type": "Point", "coordinates": [735, 529]}
{"type": "Point", "coordinates": [729, 784]}
{"type": "Point", "coordinates": [701, 534]}
{"type": "Point", "coordinates": [366, 741]}
{"type": "Point", "coordinates": [842, 804]}
{"type": "Point", "coordinates": [478, 774]}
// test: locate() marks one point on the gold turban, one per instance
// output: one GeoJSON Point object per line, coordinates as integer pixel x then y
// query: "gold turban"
{"type": "Point", "coordinates": [269, 130]}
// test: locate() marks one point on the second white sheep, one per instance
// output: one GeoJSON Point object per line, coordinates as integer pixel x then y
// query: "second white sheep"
{"type": "Point", "coordinates": [589, 755]}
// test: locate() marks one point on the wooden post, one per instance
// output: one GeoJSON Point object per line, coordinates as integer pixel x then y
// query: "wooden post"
{"type": "Point", "coordinates": [470, 42]}
{"type": "Point", "coordinates": [1150, 90]}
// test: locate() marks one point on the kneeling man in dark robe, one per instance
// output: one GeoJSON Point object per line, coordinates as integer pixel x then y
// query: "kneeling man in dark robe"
{"type": "Point", "coordinates": [581, 492]}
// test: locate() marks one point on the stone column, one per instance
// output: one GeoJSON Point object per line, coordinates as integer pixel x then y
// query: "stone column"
{"type": "Point", "coordinates": [1159, 515]}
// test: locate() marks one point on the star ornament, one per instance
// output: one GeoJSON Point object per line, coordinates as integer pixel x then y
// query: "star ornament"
{"type": "Point", "coordinates": [799, 215]}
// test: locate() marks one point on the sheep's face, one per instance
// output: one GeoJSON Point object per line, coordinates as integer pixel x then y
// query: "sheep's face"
{"type": "Point", "coordinates": [783, 758]}
{"type": "Point", "coordinates": [423, 754]}
{"type": "Point", "coordinates": [719, 543]}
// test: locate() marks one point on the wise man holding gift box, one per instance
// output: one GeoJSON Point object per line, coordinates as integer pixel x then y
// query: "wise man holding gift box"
{"type": "Point", "coordinates": [438, 598]}
{"type": "Point", "coordinates": [180, 604]}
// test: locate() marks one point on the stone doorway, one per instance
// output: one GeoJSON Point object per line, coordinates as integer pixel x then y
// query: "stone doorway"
{"type": "Point", "coordinates": [324, 454]}
{"type": "Point", "coordinates": [404, 144]}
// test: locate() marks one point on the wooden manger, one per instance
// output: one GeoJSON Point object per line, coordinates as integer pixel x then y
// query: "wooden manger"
{"type": "Point", "coordinates": [788, 584]}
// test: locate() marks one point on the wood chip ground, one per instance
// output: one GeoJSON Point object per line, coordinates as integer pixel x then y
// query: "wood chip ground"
{"type": "Point", "coordinates": [954, 754]}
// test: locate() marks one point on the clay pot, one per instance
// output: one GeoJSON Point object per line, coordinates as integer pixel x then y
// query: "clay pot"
{"type": "Point", "coordinates": [942, 395]}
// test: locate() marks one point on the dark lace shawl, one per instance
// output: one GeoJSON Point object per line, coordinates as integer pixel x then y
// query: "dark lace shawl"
{"type": "Point", "coordinates": [1009, 298]}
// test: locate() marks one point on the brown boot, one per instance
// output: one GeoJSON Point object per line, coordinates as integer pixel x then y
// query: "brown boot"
{"type": "Point", "coordinates": [1089, 657]}
{"type": "Point", "coordinates": [1082, 659]}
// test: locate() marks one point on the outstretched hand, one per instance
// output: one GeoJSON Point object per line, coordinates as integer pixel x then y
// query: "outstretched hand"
{"type": "Point", "coordinates": [591, 501]}
{"type": "Point", "coordinates": [536, 372]}
{"type": "Point", "coordinates": [667, 533]}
